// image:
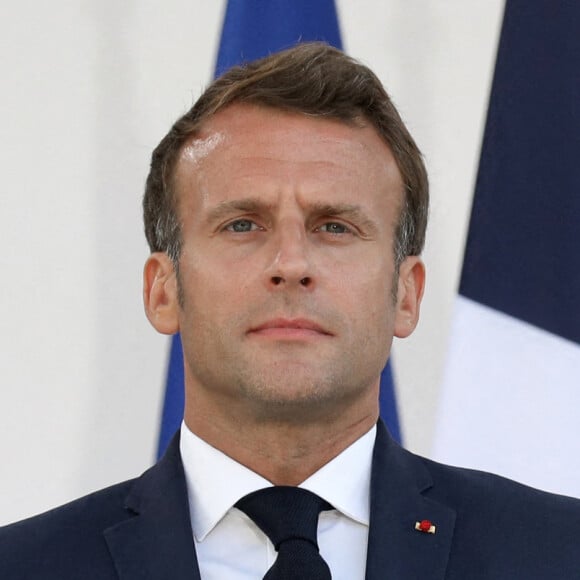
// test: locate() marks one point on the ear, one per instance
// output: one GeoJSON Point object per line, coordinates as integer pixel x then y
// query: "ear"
{"type": "Point", "coordinates": [160, 293]}
{"type": "Point", "coordinates": [411, 284]}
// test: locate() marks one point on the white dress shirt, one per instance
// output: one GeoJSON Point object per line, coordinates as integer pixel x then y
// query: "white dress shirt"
{"type": "Point", "coordinates": [228, 543]}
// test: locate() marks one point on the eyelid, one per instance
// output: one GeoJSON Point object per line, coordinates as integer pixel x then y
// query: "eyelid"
{"type": "Point", "coordinates": [350, 229]}
{"type": "Point", "coordinates": [229, 224]}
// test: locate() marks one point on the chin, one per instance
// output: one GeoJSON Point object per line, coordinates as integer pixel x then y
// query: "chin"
{"type": "Point", "coordinates": [299, 400]}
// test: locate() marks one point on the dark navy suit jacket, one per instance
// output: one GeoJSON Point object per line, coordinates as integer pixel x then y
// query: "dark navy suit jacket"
{"type": "Point", "coordinates": [487, 527]}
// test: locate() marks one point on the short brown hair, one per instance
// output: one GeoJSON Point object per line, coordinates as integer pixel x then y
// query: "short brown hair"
{"type": "Point", "coordinates": [310, 78]}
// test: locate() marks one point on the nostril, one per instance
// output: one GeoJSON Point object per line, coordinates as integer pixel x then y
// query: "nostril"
{"type": "Point", "coordinates": [277, 280]}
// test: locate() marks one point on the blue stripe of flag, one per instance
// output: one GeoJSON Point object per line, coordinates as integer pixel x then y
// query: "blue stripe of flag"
{"type": "Point", "coordinates": [253, 29]}
{"type": "Point", "coordinates": [523, 248]}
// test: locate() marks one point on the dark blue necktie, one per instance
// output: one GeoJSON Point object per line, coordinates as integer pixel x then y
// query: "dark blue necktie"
{"type": "Point", "coordinates": [289, 517]}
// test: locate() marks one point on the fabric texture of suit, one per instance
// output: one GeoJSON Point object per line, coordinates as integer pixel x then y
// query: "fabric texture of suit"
{"type": "Point", "coordinates": [487, 527]}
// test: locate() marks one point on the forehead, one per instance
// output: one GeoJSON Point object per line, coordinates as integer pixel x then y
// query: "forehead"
{"type": "Point", "coordinates": [251, 143]}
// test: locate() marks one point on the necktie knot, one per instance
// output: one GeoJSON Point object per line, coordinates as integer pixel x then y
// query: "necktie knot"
{"type": "Point", "coordinates": [289, 517]}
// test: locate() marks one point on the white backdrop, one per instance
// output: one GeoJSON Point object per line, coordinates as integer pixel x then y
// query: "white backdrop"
{"type": "Point", "coordinates": [89, 88]}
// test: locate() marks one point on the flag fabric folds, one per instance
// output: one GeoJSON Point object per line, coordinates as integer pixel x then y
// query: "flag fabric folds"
{"type": "Point", "coordinates": [511, 391]}
{"type": "Point", "coordinates": [252, 29]}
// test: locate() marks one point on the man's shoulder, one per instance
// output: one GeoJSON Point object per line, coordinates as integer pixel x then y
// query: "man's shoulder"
{"type": "Point", "coordinates": [66, 538]}
{"type": "Point", "coordinates": [508, 524]}
{"type": "Point", "coordinates": [143, 520]}
{"type": "Point", "coordinates": [465, 487]}
{"type": "Point", "coordinates": [469, 492]}
{"type": "Point", "coordinates": [93, 509]}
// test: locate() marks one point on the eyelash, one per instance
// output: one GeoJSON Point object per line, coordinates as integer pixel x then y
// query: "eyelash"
{"type": "Point", "coordinates": [346, 229]}
{"type": "Point", "coordinates": [230, 227]}
{"type": "Point", "coordinates": [255, 227]}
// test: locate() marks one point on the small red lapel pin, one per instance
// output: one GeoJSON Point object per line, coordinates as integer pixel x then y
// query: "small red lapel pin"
{"type": "Point", "coordinates": [425, 526]}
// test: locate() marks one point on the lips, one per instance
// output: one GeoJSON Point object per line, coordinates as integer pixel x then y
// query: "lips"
{"type": "Point", "coordinates": [293, 326]}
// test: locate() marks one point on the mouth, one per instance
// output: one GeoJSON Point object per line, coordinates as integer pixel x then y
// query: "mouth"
{"type": "Point", "coordinates": [289, 329]}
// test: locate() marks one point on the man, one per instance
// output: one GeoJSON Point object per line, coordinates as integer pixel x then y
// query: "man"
{"type": "Point", "coordinates": [286, 212]}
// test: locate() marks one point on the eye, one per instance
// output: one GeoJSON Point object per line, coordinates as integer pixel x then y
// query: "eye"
{"type": "Point", "coordinates": [241, 226]}
{"type": "Point", "coordinates": [335, 228]}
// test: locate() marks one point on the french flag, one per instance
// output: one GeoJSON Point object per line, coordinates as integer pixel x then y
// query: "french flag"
{"type": "Point", "coordinates": [253, 29]}
{"type": "Point", "coordinates": [511, 394]}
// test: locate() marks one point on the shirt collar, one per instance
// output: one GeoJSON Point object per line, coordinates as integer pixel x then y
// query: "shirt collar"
{"type": "Point", "coordinates": [220, 482]}
{"type": "Point", "coordinates": [345, 481]}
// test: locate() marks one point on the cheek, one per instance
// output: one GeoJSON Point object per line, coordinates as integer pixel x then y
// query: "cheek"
{"type": "Point", "coordinates": [223, 268]}
{"type": "Point", "coordinates": [198, 288]}
{"type": "Point", "coordinates": [214, 296]}
{"type": "Point", "coordinates": [363, 279]}
{"type": "Point", "coordinates": [380, 303]}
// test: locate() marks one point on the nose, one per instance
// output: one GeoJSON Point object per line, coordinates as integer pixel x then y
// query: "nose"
{"type": "Point", "coordinates": [290, 265]}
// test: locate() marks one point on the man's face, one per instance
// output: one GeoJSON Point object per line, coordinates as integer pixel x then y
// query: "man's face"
{"type": "Point", "coordinates": [286, 272]}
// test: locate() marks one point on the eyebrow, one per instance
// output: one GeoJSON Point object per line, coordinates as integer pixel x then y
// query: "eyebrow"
{"type": "Point", "coordinates": [248, 205]}
{"type": "Point", "coordinates": [345, 210]}
{"type": "Point", "coordinates": [256, 205]}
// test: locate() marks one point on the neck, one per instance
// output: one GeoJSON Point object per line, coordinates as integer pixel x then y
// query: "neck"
{"type": "Point", "coordinates": [283, 451]}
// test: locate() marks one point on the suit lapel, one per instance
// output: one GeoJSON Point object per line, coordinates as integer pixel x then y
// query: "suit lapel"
{"type": "Point", "coordinates": [396, 549]}
{"type": "Point", "coordinates": [156, 540]}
